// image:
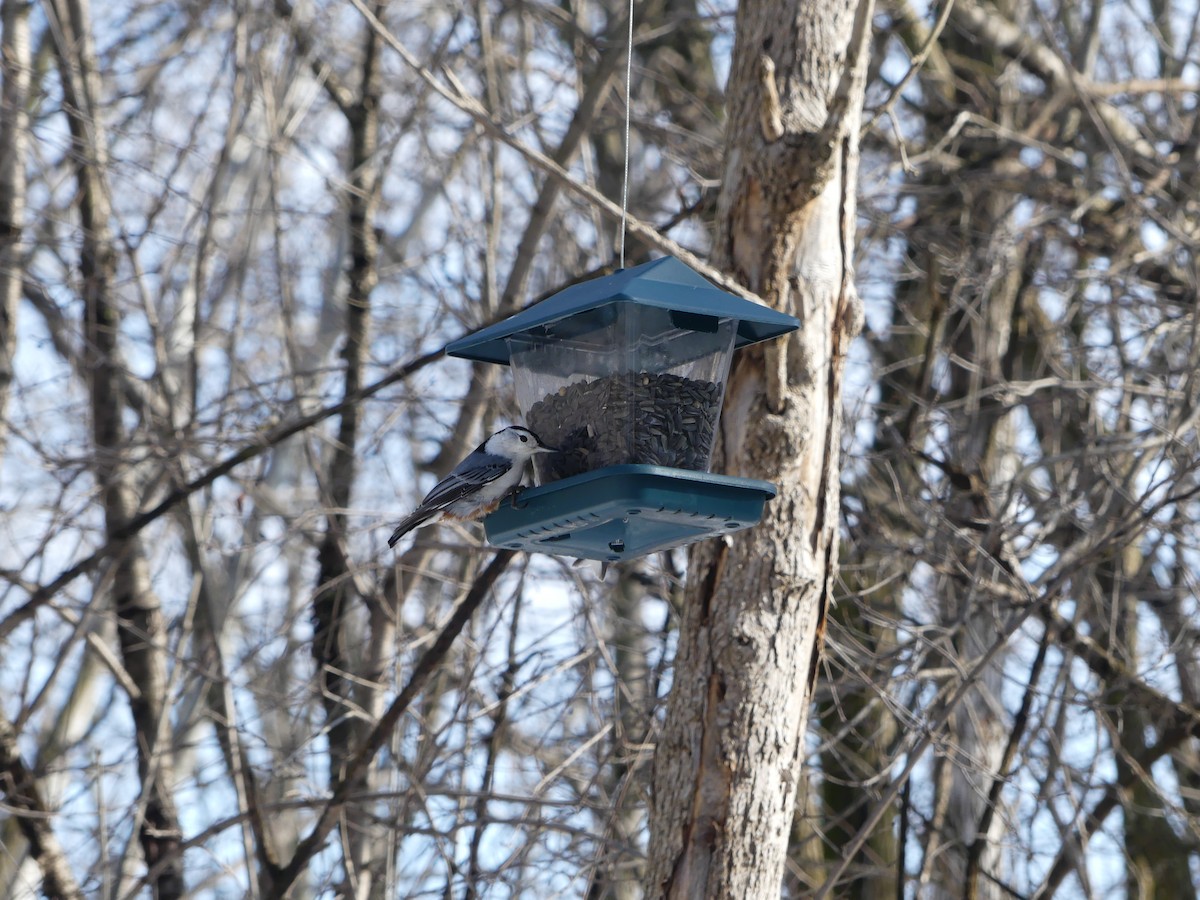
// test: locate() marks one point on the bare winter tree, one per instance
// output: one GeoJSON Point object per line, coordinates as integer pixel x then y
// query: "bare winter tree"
{"type": "Point", "coordinates": [1013, 486]}
{"type": "Point", "coordinates": [234, 239]}
{"type": "Point", "coordinates": [730, 752]}
{"type": "Point", "coordinates": [16, 69]}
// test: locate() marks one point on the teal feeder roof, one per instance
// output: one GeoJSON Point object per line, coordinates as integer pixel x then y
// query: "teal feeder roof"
{"type": "Point", "coordinates": [683, 294]}
{"type": "Point", "coordinates": [622, 512]}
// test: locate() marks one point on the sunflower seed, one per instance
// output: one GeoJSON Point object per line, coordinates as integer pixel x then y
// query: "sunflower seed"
{"type": "Point", "coordinates": [648, 418]}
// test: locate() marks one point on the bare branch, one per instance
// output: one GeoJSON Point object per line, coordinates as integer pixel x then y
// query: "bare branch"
{"type": "Point", "coordinates": [458, 95]}
{"type": "Point", "coordinates": [20, 790]}
{"type": "Point", "coordinates": [423, 670]}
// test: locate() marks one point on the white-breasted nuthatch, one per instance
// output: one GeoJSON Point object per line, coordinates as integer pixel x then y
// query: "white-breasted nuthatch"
{"type": "Point", "coordinates": [477, 484]}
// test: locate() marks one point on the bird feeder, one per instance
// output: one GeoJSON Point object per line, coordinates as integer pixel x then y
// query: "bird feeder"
{"type": "Point", "coordinates": [625, 376]}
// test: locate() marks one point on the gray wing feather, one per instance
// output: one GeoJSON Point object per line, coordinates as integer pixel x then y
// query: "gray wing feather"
{"type": "Point", "coordinates": [408, 523]}
{"type": "Point", "coordinates": [468, 476]}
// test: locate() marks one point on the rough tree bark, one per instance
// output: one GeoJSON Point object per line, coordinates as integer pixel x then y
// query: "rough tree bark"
{"type": "Point", "coordinates": [141, 624]}
{"type": "Point", "coordinates": [21, 794]}
{"type": "Point", "coordinates": [728, 760]}
{"type": "Point", "coordinates": [15, 69]}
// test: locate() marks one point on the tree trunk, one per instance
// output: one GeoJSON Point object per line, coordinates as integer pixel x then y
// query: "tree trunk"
{"type": "Point", "coordinates": [728, 761]}
{"type": "Point", "coordinates": [15, 73]}
{"type": "Point", "coordinates": [337, 631]}
{"type": "Point", "coordinates": [141, 625]}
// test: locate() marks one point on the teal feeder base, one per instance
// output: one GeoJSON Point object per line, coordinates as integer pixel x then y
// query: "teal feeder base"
{"type": "Point", "coordinates": [623, 512]}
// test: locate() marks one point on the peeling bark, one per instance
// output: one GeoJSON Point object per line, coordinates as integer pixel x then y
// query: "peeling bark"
{"type": "Point", "coordinates": [728, 761]}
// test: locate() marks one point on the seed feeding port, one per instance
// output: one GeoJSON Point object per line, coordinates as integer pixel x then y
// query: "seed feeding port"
{"type": "Point", "coordinates": [658, 419]}
{"type": "Point", "coordinates": [625, 375]}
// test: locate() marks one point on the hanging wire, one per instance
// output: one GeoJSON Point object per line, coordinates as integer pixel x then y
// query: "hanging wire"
{"type": "Point", "coordinates": [625, 178]}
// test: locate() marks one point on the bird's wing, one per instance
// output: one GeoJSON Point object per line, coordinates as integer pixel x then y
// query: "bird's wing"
{"type": "Point", "coordinates": [468, 476]}
{"type": "Point", "coordinates": [409, 522]}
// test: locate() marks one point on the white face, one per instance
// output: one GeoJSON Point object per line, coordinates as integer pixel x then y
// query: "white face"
{"type": "Point", "coordinates": [516, 442]}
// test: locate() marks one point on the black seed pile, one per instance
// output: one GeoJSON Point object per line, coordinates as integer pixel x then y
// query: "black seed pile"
{"type": "Point", "coordinates": [663, 420]}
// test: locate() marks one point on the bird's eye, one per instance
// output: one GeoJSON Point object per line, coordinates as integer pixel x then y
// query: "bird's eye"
{"type": "Point", "coordinates": [524, 440]}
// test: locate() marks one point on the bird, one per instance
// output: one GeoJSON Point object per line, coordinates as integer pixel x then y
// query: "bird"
{"type": "Point", "coordinates": [476, 485]}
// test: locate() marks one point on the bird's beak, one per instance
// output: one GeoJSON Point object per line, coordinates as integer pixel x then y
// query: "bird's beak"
{"type": "Point", "coordinates": [542, 448]}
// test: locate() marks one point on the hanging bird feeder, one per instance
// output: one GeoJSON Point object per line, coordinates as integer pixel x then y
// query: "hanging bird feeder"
{"type": "Point", "coordinates": [625, 375]}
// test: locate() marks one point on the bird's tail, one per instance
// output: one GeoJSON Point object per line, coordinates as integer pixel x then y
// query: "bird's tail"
{"type": "Point", "coordinates": [407, 524]}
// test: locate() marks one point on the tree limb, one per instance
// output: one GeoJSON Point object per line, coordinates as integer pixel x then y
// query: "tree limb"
{"type": "Point", "coordinates": [988, 26]}
{"type": "Point", "coordinates": [458, 96]}
{"type": "Point", "coordinates": [282, 879]}
{"type": "Point", "coordinates": [19, 788]}
{"type": "Point", "coordinates": [265, 442]}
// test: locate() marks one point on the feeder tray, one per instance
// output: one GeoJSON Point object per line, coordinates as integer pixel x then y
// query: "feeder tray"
{"type": "Point", "coordinates": [622, 512]}
{"type": "Point", "coordinates": [625, 375]}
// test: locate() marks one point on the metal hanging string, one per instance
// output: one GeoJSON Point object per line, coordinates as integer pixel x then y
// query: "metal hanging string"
{"type": "Point", "coordinates": [625, 178]}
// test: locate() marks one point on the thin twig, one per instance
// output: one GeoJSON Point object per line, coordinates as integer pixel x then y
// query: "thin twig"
{"type": "Point", "coordinates": [282, 879]}
{"type": "Point", "coordinates": [459, 97]}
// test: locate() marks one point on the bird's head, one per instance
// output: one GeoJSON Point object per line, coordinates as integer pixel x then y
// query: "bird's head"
{"type": "Point", "coordinates": [516, 442]}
